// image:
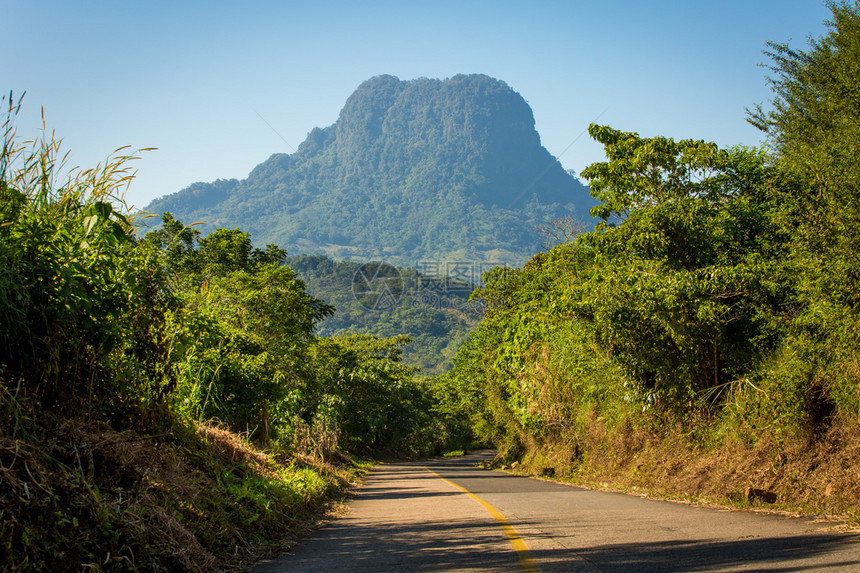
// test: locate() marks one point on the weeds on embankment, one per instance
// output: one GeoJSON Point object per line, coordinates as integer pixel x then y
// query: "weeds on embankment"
{"type": "Point", "coordinates": [814, 477]}
{"type": "Point", "coordinates": [192, 498]}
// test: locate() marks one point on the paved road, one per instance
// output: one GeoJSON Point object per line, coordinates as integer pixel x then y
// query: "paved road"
{"type": "Point", "coordinates": [447, 515]}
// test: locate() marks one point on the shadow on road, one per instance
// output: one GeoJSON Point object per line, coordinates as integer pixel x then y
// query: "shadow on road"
{"type": "Point", "coordinates": [401, 493]}
{"type": "Point", "coordinates": [776, 554]}
{"type": "Point", "coordinates": [450, 546]}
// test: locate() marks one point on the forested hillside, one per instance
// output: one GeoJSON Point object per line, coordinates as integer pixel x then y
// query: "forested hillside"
{"type": "Point", "coordinates": [431, 307]}
{"type": "Point", "coordinates": [412, 171]}
{"type": "Point", "coordinates": [705, 338]}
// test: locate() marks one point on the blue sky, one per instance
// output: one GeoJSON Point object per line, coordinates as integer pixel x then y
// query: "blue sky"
{"type": "Point", "coordinates": [190, 78]}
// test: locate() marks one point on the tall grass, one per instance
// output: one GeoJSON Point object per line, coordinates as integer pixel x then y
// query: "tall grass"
{"type": "Point", "coordinates": [70, 279]}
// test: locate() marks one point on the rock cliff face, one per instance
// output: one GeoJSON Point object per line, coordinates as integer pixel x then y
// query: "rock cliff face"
{"type": "Point", "coordinates": [411, 171]}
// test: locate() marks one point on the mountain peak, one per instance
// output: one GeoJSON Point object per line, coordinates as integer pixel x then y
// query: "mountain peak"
{"type": "Point", "coordinates": [411, 169]}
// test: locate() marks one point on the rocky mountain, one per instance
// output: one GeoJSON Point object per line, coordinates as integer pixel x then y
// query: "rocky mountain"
{"type": "Point", "coordinates": [411, 171]}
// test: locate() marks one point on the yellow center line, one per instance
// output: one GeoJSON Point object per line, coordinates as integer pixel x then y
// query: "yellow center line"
{"type": "Point", "coordinates": [527, 563]}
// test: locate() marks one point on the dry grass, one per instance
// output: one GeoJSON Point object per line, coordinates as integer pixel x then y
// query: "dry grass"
{"type": "Point", "coordinates": [77, 495]}
{"type": "Point", "coordinates": [233, 449]}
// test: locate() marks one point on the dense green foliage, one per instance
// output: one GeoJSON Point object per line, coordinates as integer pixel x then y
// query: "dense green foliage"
{"type": "Point", "coordinates": [244, 344]}
{"type": "Point", "coordinates": [424, 170]}
{"type": "Point", "coordinates": [137, 331]}
{"type": "Point", "coordinates": [80, 306]}
{"type": "Point", "coordinates": [814, 126]}
{"type": "Point", "coordinates": [719, 290]}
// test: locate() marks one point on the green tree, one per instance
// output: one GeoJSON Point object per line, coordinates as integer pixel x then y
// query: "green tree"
{"type": "Point", "coordinates": [241, 336]}
{"type": "Point", "coordinates": [813, 124]}
{"type": "Point", "coordinates": [693, 259]}
{"type": "Point", "coordinates": [365, 390]}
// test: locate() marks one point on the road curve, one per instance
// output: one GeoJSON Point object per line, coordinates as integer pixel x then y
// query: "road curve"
{"type": "Point", "coordinates": [447, 515]}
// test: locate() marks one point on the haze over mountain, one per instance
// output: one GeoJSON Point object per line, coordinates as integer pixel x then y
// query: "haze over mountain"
{"type": "Point", "coordinates": [411, 171]}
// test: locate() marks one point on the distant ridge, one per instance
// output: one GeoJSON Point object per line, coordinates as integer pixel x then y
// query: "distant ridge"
{"type": "Point", "coordinates": [411, 171]}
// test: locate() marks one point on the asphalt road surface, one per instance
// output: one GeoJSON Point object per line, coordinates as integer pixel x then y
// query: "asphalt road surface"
{"type": "Point", "coordinates": [447, 515]}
